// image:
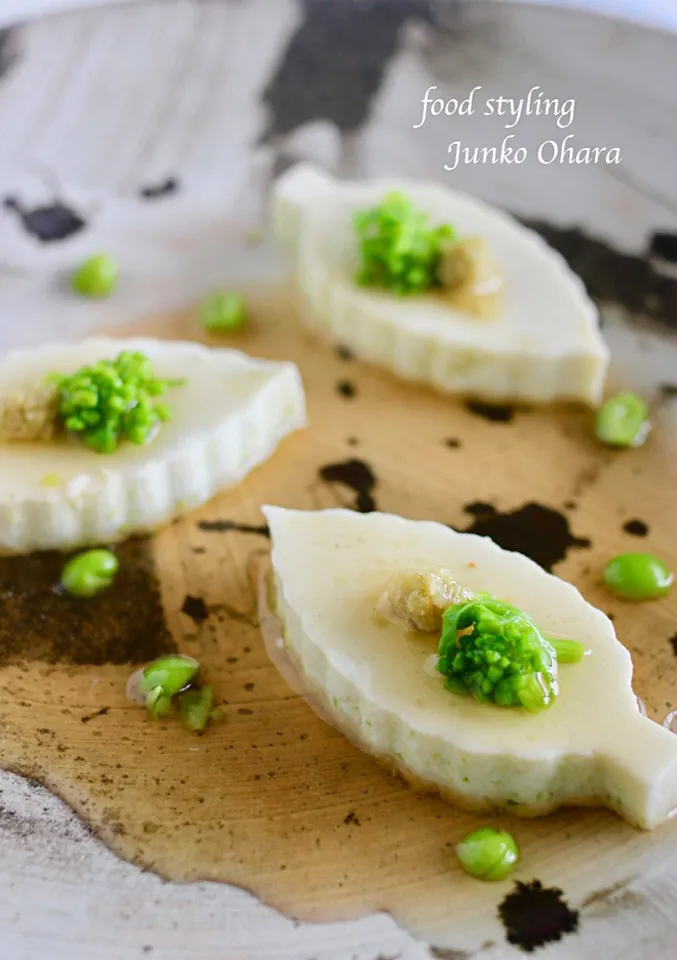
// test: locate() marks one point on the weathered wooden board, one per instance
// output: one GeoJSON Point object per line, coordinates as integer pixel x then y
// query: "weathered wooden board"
{"type": "Point", "coordinates": [272, 799]}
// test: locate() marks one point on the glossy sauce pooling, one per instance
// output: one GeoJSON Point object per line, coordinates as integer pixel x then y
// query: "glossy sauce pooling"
{"type": "Point", "coordinates": [272, 798]}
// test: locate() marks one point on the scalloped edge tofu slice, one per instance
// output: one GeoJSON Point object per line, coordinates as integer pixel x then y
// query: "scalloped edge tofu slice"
{"type": "Point", "coordinates": [373, 678]}
{"type": "Point", "coordinates": [543, 345]}
{"type": "Point", "coordinates": [229, 417]}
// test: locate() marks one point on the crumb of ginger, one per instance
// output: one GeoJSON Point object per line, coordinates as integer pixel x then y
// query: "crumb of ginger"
{"type": "Point", "coordinates": [29, 416]}
{"type": "Point", "coordinates": [418, 600]}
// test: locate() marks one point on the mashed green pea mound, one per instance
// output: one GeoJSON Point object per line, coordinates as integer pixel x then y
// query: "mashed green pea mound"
{"type": "Point", "coordinates": [398, 249]}
{"type": "Point", "coordinates": [113, 401]}
{"type": "Point", "coordinates": [495, 653]}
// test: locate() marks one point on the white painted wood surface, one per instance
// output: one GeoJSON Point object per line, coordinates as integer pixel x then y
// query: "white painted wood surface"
{"type": "Point", "coordinates": [104, 124]}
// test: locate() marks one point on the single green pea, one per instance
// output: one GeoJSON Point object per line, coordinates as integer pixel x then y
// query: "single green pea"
{"type": "Point", "coordinates": [171, 674]}
{"type": "Point", "coordinates": [223, 311]}
{"type": "Point", "coordinates": [488, 854]}
{"type": "Point", "coordinates": [623, 421]}
{"type": "Point", "coordinates": [96, 277]}
{"type": "Point", "coordinates": [89, 573]}
{"type": "Point", "coordinates": [638, 576]}
{"type": "Point", "coordinates": [197, 708]}
{"type": "Point", "coordinates": [158, 703]}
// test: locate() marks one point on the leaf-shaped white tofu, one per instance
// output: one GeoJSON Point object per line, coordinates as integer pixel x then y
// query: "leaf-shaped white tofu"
{"type": "Point", "coordinates": [228, 417]}
{"type": "Point", "coordinates": [593, 746]}
{"type": "Point", "coordinates": [544, 344]}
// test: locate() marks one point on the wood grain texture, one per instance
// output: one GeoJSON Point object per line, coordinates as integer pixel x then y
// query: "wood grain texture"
{"type": "Point", "coordinates": [86, 102]}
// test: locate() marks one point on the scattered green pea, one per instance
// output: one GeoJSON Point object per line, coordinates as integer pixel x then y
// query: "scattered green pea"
{"type": "Point", "coordinates": [197, 708]}
{"type": "Point", "coordinates": [96, 277]}
{"type": "Point", "coordinates": [170, 674]}
{"type": "Point", "coordinates": [488, 854]}
{"type": "Point", "coordinates": [623, 421]}
{"type": "Point", "coordinates": [158, 683]}
{"type": "Point", "coordinates": [638, 576]}
{"type": "Point", "coordinates": [158, 703]}
{"type": "Point", "coordinates": [222, 311]}
{"type": "Point", "coordinates": [89, 573]}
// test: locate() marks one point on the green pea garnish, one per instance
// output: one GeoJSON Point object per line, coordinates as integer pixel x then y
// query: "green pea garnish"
{"type": "Point", "coordinates": [171, 674]}
{"type": "Point", "coordinates": [398, 249]}
{"type": "Point", "coordinates": [167, 678]}
{"type": "Point", "coordinates": [495, 653]}
{"type": "Point", "coordinates": [113, 401]}
{"type": "Point", "coordinates": [197, 708]}
{"type": "Point", "coordinates": [623, 421]}
{"type": "Point", "coordinates": [488, 854]}
{"type": "Point", "coordinates": [638, 576]}
{"type": "Point", "coordinates": [96, 277]}
{"type": "Point", "coordinates": [222, 312]}
{"type": "Point", "coordinates": [158, 703]}
{"type": "Point", "coordinates": [89, 573]}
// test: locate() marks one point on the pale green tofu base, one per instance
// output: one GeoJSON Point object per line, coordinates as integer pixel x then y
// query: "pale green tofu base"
{"type": "Point", "coordinates": [542, 345]}
{"type": "Point", "coordinates": [593, 746]}
{"type": "Point", "coordinates": [228, 417]}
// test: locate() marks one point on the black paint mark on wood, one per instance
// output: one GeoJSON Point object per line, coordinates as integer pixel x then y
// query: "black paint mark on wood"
{"type": "Point", "coordinates": [335, 63]}
{"type": "Point", "coordinates": [9, 50]}
{"type": "Point", "coordinates": [673, 643]}
{"type": "Point", "coordinates": [452, 443]}
{"type": "Point", "coordinates": [195, 608]}
{"type": "Point", "coordinates": [347, 389]}
{"type": "Point", "coordinates": [352, 818]}
{"type": "Point", "coordinates": [663, 246]}
{"type": "Point", "coordinates": [223, 526]}
{"type": "Point", "coordinates": [480, 509]}
{"type": "Point", "coordinates": [536, 531]}
{"type": "Point", "coordinates": [165, 188]}
{"type": "Point", "coordinates": [534, 915]}
{"type": "Point", "coordinates": [358, 476]}
{"type": "Point", "coordinates": [99, 713]}
{"type": "Point", "coordinates": [612, 276]}
{"type": "Point", "coordinates": [495, 412]}
{"type": "Point", "coordinates": [50, 223]}
{"type": "Point", "coordinates": [636, 527]}
{"type": "Point", "coordinates": [668, 390]}
{"type": "Point", "coordinates": [344, 353]}
{"type": "Point", "coordinates": [122, 625]}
